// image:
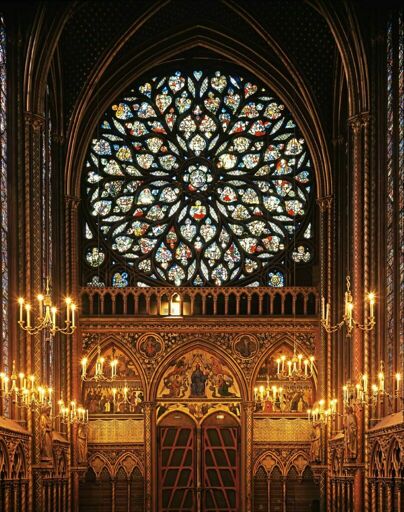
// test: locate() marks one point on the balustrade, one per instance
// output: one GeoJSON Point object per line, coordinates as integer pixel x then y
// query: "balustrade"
{"type": "Point", "coordinates": [263, 301]}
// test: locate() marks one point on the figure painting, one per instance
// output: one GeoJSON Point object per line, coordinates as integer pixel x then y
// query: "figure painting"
{"type": "Point", "coordinates": [198, 374]}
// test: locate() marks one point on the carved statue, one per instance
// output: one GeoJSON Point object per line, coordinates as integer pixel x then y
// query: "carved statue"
{"type": "Point", "coordinates": [351, 434]}
{"type": "Point", "coordinates": [315, 446]}
{"type": "Point", "coordinates": [45, 432]}
{"type": "Point", "coordinates": [82, 432]}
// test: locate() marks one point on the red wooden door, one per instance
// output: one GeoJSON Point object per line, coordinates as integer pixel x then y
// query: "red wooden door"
{"type": "Point", "coordinates": [220, 464]}
{"type": "Point", "coordinates": [198, 467]}
{"type": "Point", "coordinates": [176, 472]}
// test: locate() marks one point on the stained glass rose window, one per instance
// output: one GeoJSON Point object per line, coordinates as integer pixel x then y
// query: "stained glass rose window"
{"type": "Point", "coordinates": [197, 179]}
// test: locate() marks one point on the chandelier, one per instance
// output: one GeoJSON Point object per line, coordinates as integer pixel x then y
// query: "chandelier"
{"type": "Point", "coordinates": [23, 391]}
{"type": "Point", "coordinates": [295, 368]}
{"type": "Point", "coordinates": [99, 375]}
{"type": "Point", "coordinates": [361, 393]}
{"type": "Point", "coordinates": [268, 393]}
{"type": "Point", "coordinates": [322, 414]}
{"type": "Point", "coordinates": [46, 317]}
{"type": "Point", "coordinates": [348, 319]}
{"type": "Point", "coordinates": [72, 414]}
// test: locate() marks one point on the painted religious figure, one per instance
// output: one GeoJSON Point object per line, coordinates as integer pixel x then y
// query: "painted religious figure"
{"type": "Point", "coordinates": [198, 374]}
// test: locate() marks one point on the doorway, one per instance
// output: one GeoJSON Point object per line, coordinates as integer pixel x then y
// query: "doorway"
{"type": "Point", "coordinates": [198, 465]}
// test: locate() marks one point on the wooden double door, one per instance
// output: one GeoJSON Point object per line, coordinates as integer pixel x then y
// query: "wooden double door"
{"type": "Point", "coordinates": [198, 466]}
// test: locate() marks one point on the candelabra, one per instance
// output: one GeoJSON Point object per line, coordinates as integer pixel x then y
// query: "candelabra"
{"type": "Point", "coordinates": [46, 315]}
{"type": "Point", "coordinates": [348, 319]}
{"type": "Point", "coordinates": [99, 375]}
{"type": "Point", "coordinates": [23, 391]}
{"type": "Point", "coordinates": [71, 413]}
{"type": "Point", "coordinates": [361, 394]}
{"type": "Point", "coordinates": [268, 393]}
{"type": "Point", "coordinates": [295, 368]}
{"type": "Point", "coordinates": [322, 414]}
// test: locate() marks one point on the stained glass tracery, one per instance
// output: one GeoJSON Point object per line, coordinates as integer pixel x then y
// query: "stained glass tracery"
{"type": "Point", "coordinates": [197, 179]}
{"type": "Point", "coordinates": [4, 298]}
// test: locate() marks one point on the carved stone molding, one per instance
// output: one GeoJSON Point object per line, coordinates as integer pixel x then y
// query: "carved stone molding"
{"type": "Point", "coordinates": [37, 121]}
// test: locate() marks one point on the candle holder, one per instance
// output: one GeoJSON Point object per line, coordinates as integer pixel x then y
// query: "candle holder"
{"type": "Point", "coordinates": [348, 320]}
{"type": "Point", "coordinates": [361, 394]}
{"type": "Point", "coordinates": [72, 413]}
{"type": "Point", "coordinates": [46, 318]}
{"type": "Point", "coordinates": [321, 414]}
{"type": "Point", "coordinates": [99, 375]}
{"type": "Point", "coordinates": [23, 391]}
{"type": "Point", "coordinates": [297, 367]}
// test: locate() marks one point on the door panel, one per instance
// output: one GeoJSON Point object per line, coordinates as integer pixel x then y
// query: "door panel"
{"type": "Point", "coordinates": [176, 469]}
{"type": "Point", "coordinates": [220, 469]}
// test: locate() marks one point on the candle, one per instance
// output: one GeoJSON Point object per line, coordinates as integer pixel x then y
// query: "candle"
{"type": "Point", "coordinates": [323, 308]}
{"type": "Point", "coordinates": [28, 311]}
{"type": "Point", "coordinates": [21, 303]}
{"type": "Point", "coordinates": [398, 378]}
{"type": "Point", "coordinates": [381, 381]}
{"type": "Point", "coordinates": [83, 367]}
{"type": "Point", "coordinates": [278, 362]}
{"type": "Point", "coordinates": [255, 393]}
{"type": "Point", "coordinates": [53, 310]}
{"type": "Point", "coordinates": [73, 309]}
{"type": "Point", "coordinates": [283, 362]}
{"type": "Point", "coordinates": [21, 377]}
{"type": "Point", "coordinates": [312, 363]}
{"type": "Point", "coordinates": [114, 393]}
{"type": "Point", "coordinates": [365, 383]}
{"type": "Point", "coordinates": [308, 414]}
{"type": "Point", "coordinates": [40, 300]}
{"type": "Point", "coordinates": [306, 362]}
{"type": "Point", "coordinates": [371, 298]}
{"type": "Point", "coordinates": [289, 367]}
{"type": "Point", "coordinates": [274, 392]}
{"type": "Point", "coordinates": [300, 357]}
{"type": "Point", "coordinates": [68, 301]}
{"type": "Point", "coordinates": [327, 315]}
{"type": "Point", "coordinates": [375, 389]}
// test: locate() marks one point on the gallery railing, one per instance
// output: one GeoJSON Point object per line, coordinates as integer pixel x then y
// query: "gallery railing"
{"type": "Point", "coordinates": [184, 301]}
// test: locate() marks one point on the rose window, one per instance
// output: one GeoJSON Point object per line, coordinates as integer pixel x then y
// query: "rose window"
{"type": "Point", "coordinates": [197, 179]}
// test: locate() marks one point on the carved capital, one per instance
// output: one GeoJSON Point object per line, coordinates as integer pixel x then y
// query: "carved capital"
{"type": "Point", "coordinates": [37, 121]}
{"type": "Point", "coordinates": [324, 203]}
{"type": "Point", "coordinates": [72, 202]}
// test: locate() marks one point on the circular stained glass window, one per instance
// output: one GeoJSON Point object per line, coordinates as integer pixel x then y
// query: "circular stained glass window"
{"type": "Point", "coordinates": [198, 179]}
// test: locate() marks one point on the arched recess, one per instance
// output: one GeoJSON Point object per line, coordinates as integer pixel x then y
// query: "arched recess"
{"type": "Point", "coordinates": [212, 351]}
{"type": "Point", "coordinates": [100, 398]}
{"type": "Point", "coordinates": [234, 52]}
{"type": "Point", "coordinates": [283, 343]}
{"type": "Point", "coordinates": [377, 462]}
{"type": "Point", "coordinates": [4, 461]}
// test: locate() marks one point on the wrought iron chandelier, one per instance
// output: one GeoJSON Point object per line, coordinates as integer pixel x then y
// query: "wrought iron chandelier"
{"type": "Point", "coordinates": [99, 375]}
{"type": "Point", "coordinates": [348, 320]}
{"type": "Point", "coordinates": [72, 413]}
{"type": "Point", "coordinates": [46, 315]}
{"type": "Point", "coordinates": [296, 367]}
{"type": "Point", "coordinates": [23, 390]}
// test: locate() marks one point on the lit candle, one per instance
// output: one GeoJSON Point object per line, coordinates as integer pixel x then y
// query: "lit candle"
{"type": "Point", "coordinates": [375, 389]}
{"type": "Point", "coordinates": [321, 404]}
{"type": "Point", "coordinates": [312, 363]}
{"type": "Point", "coordinates": [53, 310]}
{"type": "Point", "coordinates": [114, 393]}
{"type": "Point", "coordinates": [371, 298]}
{"type": "Point", "coordinates": [398, 378]}
{"type": "Point", "coordinates": [365, 383]}
{"type": "Point", "coordinates": [289, 367]}
{"type": "Point", "coordinates": [274, 392]}
{"type": "Point", "coordinates": [323, 308]}
{"type": "Point", "coordinates": [306, 363]}
{"type": "Point", "coordinates": [327, 315]}
{"type": "Point", "coordinates": [255, 393]}
{"type": "Point", "coordinates": [73, 308]}
{"type": "Point", "coordinates": [68, 301]}
{"type": "Point", "coordinates": [83, 367]}
{"type": "Point", "coordinates": [300, 357]}
{"type": "Point", "coordinates": [28, 311]}
{"type": "Point", "coordinates": [308, 414]}
{"type": "Point", "coordinates": [125, 392]}
{"type": "Point", "coordinates": [21, 377]}
{"type": "Point", "coordinates": [21, 303]}
{"type": "Point", "coordinates": [114, 364]}
{"type": "Point", "coordinates": [278, 362]}
{"type": "Point", "coordinates": [381, 381]}
{"type": "Point", "coordinates": [283, 362]}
